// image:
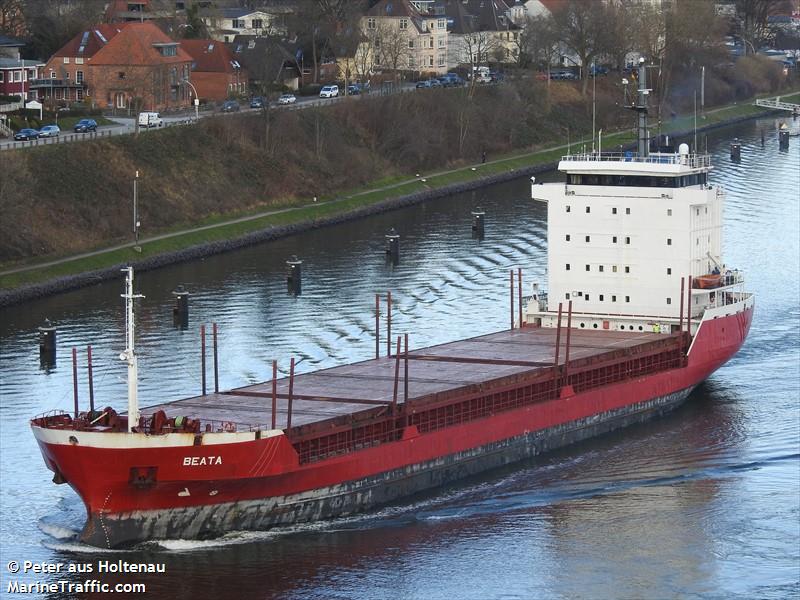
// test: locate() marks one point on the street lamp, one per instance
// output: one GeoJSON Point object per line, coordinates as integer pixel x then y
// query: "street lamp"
{"type": "Point", "coordinates": [196, 99]}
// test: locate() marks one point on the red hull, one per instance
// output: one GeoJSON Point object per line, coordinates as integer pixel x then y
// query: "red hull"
{"type": "Point", "coordinates": [269, 468]}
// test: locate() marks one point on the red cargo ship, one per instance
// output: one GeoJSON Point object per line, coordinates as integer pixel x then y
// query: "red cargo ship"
{"type": "Point", "coordinates": [632, 229]}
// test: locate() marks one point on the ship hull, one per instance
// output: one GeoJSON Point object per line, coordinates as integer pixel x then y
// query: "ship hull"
{"type": "Point", "coordinates": [259, 484]}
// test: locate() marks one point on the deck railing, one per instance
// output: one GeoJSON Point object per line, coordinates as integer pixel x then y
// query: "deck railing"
{"type": "Point", "coordinates": [689, 160]}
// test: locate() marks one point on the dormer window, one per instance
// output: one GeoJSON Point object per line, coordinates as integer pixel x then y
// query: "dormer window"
{"type": "Point", "coordinates": [166, 49]}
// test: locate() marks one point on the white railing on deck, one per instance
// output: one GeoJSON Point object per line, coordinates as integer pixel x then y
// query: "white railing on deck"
{"type": "Point", "coordinates": [689, 160]}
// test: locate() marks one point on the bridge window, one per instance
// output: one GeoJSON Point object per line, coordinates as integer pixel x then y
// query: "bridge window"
{"type": "Point", "coordinates": [588, 268]}
{"type": "Point", "coordinates": [614, 210]}
{"type": "Point", "coordinates": [669, 270]}
{"type": "Point", "coordinates": [600, 268]}
{"type": "Point", "coordinates": [627, 269]}
{"type": "Point", "coordinates": [669, 241]}
{"type": "Point", "coordinates": [669, 300]}
{"type": "Point", "coordinates": [588, 238]}
{"type": "Point", "coordinates": [567, 237]}
{"type": "Point", "coordinates": [567, 266]}
{"type": "Point", "coordinates": [627, 211]}
{"type": "Point", "coordinates": [669, 212]}
{"type": "Point", "coordinates": [627, 240]}
{"type": "Point", "coordinates": [601, 297]}
{"type": "Point", "coordinates": [588, 209]}
{"type": "Point", "coordinates": [568, 208]}
{"type": "Point", "coordinates": [614, 239]}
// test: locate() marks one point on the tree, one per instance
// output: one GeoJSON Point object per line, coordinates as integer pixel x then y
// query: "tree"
{"type": "Point", "coordinates": [583, 29]}
{"type": "Point", "coordinates": [195, 26]}
{"type": "Point", "coordinates": [542, 41]}
{"type": "Point", "coordinates": [52, 23]}
{"type": "Point", "coordinates": [391, 46]}
{"type": "Point", "coordinates": [12, 20]}
{"type": "Point", "coordinates": [752, 20]}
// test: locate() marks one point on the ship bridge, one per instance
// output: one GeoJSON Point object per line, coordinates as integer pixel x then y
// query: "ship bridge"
{"type": "Point", "coordinates": [667, 169]}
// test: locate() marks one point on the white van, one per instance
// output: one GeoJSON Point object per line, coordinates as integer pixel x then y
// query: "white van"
{"type": "Point", "coordinates": [150, 119]}
{"type": "Point", "coordinates": [329, 91]}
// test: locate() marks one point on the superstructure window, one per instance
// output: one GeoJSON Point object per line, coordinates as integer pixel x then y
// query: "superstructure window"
{"type": "Point", "coordinates": [637, 180]}
{"type": "Point", "coordinates": [669, 270]}
{"type": "Point", "coordinates": [627, 211]}
{"type": "Point", "coordinates": [627, 298]}
{"type": "Point", "coordinates": [601, 297]}
{"type": "Point", "coordinates": [614, 239]}
{"type": "Point", "coordinates": [588, 209]}
{"type": "Point", "coordinates": [669, 300]}
{"type": "Point", "coordinates": [669, 241]}
{"type": "Point", "coordinates": [588, 238]}
{"type": "Point", "coordinates": [669, 212]}
{"type": "Point", "coordinates": [614, 210]}
{"type": "Point", "coordinates": [627, 240]}
{"type": "Point", "coordinates": [567, 236]}
{"type": "Point", "coordinates": [588, 268]}
{"type": "Point", "coordinates": [614, 269]}
{"type": "Point", "coordinates": [567, 266]}
{"type": "Point", "coordinates": [600, 268]}
{"type": "Point", "coordinates": [586, 297]}
{"type": "Point", "coordinates": [627, 269]}
{"type": "Point", "coordinates": [613, 298]}
{"type": "Point", "coordinates": [567, 207]}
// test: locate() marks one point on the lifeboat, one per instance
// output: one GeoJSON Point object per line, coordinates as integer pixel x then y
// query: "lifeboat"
{"type": "Point", "coordinates": [708, 281]}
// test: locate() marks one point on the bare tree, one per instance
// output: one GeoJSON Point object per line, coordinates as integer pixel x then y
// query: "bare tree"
{"type": "Point", "coordinates": [391, 46]}
{"type": "Point", "coordinates": [583, 29]}
{"type": "Point", "coordinates": [752, 20]}
{"type": "Point", "coordinates": [12, 21]}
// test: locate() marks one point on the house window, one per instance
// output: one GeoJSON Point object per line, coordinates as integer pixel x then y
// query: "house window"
{"type": "Point", "coordinates": [588, 238]}
{"type": "Point", "coordinates": [52, 74]}
{"type": "Point", "coordinates": [257, 24]}
{"type": "Point", "coordinates": [78, 76]}
{"type": "Point", "coordinates": [669, 300]}
{"type": "Point", "coordinates": [669, 212]}
{"type": "Point", "coordinates": [66, 62]}
{"type": "Point", "coordinates": [370, 23]}
{"type": "Point", "coordinates": [2, 77]}
{"type": "Point", "coordinates": [442, 42]}
{"type": "Point", "coordinates": [567, 207]}
{"type": "Point", "coordinates": [238, 24]}
{"type": "Point", "coordinates": [410, 44]}
{"type": "Point", "coordinates": [669, 270]}
{"type": "Point", "coordinates": [441, 23]}
{"type": "Point", "coordinates": [121, 75]}
{"type": "Point", "coordinates": [430, 61]}
{"type": "Point", "coordinates": [79, 60]}
{"type": "Point", "coordinates": [567, 266]}
{"type": "Point", "coordinates": [411, 62]}
{"type": "Point", "coordinates": [627, 211]}
{"type": "Point", "coordinates": [614, 210]}
{"type": "Point", "coordinates": [442, 60]}
{"type": "Point", "coordinates": [79, 94]}
{"type": "Point", "coordinates": [567, 237]}
{"type": "Point", "coordinates": [669, 241]}
{"type": "Point", "coordinates": [403, 24]}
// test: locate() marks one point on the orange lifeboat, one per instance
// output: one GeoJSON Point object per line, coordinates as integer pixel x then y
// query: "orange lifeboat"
{"type": "Point", "coordinates": [708, 281]}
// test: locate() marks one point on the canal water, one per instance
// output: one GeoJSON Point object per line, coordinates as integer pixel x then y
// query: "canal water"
{"type": "Point", "coordinates": [704, 502]}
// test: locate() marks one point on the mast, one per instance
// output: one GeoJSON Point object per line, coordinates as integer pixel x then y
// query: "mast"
{"type": "Point", "coordinates": [641, 107]}
{"type": "Point", "coordinates": [129, 355]}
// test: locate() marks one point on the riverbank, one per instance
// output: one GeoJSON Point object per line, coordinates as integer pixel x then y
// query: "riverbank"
{"type": "Point", "coordinates": [219, 234]}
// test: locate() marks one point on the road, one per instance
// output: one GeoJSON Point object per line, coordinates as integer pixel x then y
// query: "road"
{"type": "Point", "coordinates": [127, 125]}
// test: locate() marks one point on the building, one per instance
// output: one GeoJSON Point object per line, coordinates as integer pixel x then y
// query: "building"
{"type": "Point", "coordinates": [130, 66]}
{"type": "Point", "coordinates": [397, 36]}
{"type": "Point", "coordinates": [16, 73]}
{"type": "Point", "coordinates": [224, 24]}
{"type": "Point", "coordinates": [216, 73]}
{"type": "Point", "coordinates": [481, 31]}
{"type": "Point", "coordinates": [268, 61]}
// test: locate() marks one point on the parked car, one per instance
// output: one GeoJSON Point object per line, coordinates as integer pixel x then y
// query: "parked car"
{"type": "Point", "coordinates": [329, 91]}
{"type": "Point", "coordinates": [435, 83]}
{"type": "Point", "coordinates": [85, 125]}
{"type": "Point", "coordinates": [353, 90]}
{"type": "Point", "coordinates": [257, 102]}
{"type": "Point", "coordinates": [150, 119]}
{"type": "Point", "coordinates": [451, 80]}
{"type": "Point", "coordinates": [423, 84]}
{"type": "Point", "coordinates": [49, 131]}
{"type": "Point", "coordinates": [562, 74]}
{"type": "Point", "coordinates": [496, 76]}
{"type": "Point", "coordinates": [26, 134]}
{"type": "Point", "coordinates": [597, 70]}
{"type": "Point", "coordinates": [287, 99]}
{"type": "Point", "coordinates": [230, 106]}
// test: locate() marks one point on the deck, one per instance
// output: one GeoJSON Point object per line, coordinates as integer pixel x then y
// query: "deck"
{"type": "Point", "coordinates": [445, 368]}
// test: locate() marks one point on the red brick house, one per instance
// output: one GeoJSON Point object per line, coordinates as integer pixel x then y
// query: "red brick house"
{"type": "Point", "coordinates": [216, 72]}
{"type": "Point", "coordinates": [129, 66]}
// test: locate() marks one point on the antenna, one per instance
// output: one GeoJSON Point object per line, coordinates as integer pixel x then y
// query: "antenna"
{"type": "Point", "coordinates": [695, 121]}
{"type": "Point", "coordinates": [594, 101]}
{"type": "Point", "coordinates": [129, 355]}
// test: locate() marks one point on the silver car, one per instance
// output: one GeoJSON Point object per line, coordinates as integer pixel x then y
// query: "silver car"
{"type": "Point", "coordinates": [287, 99]}
{"type": "Point", "coordinates": [49, 131]}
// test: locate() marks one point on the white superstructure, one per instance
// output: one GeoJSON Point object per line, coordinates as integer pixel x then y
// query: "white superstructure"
{"type": "Point", "coordinates": [624, 229]}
